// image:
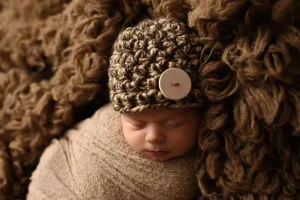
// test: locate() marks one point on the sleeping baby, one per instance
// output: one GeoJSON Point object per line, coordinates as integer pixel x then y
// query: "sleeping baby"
{"type": "Point", "coordinates": [142, 144]}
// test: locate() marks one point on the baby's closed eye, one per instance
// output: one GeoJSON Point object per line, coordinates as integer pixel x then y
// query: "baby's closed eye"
{"type": "Point", "coordinates": [136, 124]}
{"type": "Point", "coordinates": [173, 123]}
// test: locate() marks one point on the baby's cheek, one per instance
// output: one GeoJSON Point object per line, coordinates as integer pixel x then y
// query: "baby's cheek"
{"type": "Point", "coordinates": [134, 139]}
{"type": "Point", "coordinates": [185, 140]}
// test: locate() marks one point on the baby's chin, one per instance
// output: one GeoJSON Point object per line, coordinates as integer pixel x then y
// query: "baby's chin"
{"type": "Point", "coordinates": [158, 157]}
{"type": "Point", "coordinates": [167, 156]}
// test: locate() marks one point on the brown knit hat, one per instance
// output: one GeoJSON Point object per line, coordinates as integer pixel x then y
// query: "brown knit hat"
{"type": "Point", "coordinates": [146, 58]}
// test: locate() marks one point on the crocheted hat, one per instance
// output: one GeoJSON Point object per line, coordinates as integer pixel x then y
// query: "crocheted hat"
{"type": "Point", "coordinates": [154, 65]}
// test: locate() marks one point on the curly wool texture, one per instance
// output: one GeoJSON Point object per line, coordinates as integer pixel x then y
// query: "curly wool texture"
{"type": "Point", "coordinates": [53, 72]}
{"type": "Point", "coordinates": [54, 58]}
{"type": "Point", "coordinates": [141, 54]}
{"type": "Point", "coordinates": [251, 139]}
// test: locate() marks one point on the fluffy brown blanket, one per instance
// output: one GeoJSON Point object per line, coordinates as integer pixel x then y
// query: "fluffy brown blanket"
{"type": "Point", "coordinates": [93, 161]}
{"type": "Point", "coordinates": [53, 73]}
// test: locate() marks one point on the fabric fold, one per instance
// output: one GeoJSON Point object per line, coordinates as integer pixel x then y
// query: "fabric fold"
{"type": "Point", "coordinates": [93, 161]}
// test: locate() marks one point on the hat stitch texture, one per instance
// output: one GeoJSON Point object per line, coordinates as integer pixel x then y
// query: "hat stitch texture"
{"type": "Point", "coordinates": [141, 54]}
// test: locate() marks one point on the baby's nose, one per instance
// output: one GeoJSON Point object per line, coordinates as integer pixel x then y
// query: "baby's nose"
{"type": "Point", "coordinates": [154, 134]}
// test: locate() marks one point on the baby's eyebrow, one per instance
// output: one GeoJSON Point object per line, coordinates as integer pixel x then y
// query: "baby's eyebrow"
{"type": "Point", "coordinates": [163, 120]}
{"type": "Point", "coordinates": [133, 119]}
{"type": "Point", "coordinates": [174, 116]}
{"type": "Point", "coordinates": [139, 121]}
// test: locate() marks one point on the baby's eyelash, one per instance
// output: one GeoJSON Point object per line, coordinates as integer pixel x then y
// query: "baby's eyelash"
{"type": "Point", "coordinates": [173, 124]}
{"type": "Point", "coordinates": [136, 124]}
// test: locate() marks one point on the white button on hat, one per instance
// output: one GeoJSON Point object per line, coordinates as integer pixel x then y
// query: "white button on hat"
{"type": "Point", "coordinates": [175, 84]}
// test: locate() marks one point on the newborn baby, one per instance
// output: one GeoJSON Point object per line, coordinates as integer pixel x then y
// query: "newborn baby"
{"type": "Point", "coordinates": [141, 145]}
{"type": "Point", "coordinates": [161, 134]}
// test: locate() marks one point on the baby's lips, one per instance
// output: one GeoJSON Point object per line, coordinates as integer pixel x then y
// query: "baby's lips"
{"type": "Point", "coordinates": [156, 153]}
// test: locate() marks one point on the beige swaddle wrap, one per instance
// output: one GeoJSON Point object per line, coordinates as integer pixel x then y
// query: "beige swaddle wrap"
{"type": "Point", "coordinates": [93, 161]}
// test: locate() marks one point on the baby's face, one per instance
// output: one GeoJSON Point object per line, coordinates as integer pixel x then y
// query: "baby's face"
{"type": "Point", "coordinates": [161, 134]}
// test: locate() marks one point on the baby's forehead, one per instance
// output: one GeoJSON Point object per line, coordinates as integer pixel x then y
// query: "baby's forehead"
{"type": "Point", "coordinates": [160, 114]}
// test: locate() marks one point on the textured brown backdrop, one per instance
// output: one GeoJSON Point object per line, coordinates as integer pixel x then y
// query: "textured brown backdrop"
{"type": "Point", "coordinates": [53, 63]}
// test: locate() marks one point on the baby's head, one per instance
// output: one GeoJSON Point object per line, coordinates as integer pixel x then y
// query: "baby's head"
{"type": "Point", "coordinates": [154, 84]}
